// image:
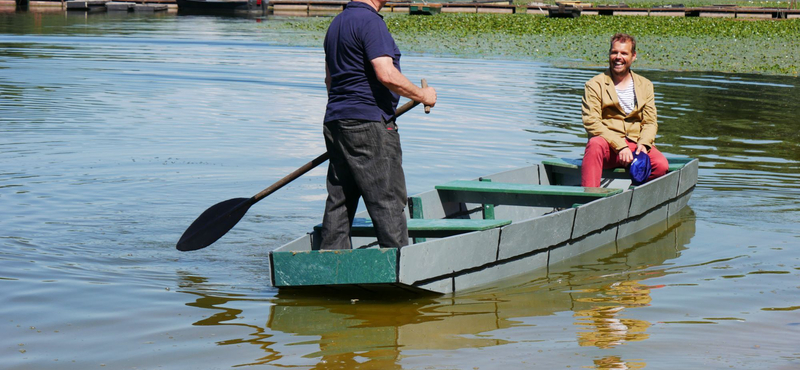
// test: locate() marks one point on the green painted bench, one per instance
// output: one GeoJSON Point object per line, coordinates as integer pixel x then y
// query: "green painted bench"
{"type": "Point", "coordinates": [429, 228]}
{"type": "Point", "coordinates": [486, 192]}
{"type": "Point", "coordinates": [570, 166]}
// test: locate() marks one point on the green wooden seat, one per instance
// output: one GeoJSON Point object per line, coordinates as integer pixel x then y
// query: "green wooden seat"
{"type": "Point", "coordinates": [496, 193]}
{"type": "Point", "coordinates": [568, 164]}
{"type": "Point", "coordinates": [429, 228]}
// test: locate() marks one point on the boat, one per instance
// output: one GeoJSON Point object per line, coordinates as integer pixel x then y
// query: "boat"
{"type": "Point", "coordinates": [224, 6]}
{"type": "Point", "coordinates": [465, 234]}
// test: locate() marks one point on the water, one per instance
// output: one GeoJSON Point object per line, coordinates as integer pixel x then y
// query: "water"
{"type": "Point", "coordinates": [117, 131]}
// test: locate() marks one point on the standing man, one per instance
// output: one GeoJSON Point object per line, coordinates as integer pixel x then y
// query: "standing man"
{"type": "Point", "coordinates": [619, 114]}
{"type": "Point", "coordinates": [362, 66]}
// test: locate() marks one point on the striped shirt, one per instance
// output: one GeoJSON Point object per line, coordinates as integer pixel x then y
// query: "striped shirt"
{"type": "Point", "coordinates": [627, 98]}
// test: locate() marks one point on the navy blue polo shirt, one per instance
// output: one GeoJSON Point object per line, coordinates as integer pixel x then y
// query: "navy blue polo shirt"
{"type": "Point", "coordinates": [355, 37]}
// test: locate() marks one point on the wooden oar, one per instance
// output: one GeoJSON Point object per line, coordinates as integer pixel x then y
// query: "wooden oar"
{"type": "Point", "coordinates": [223, 216]}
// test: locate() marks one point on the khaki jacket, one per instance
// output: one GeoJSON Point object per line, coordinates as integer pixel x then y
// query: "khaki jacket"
{"type": "Point", "coordinates": [603, 115]}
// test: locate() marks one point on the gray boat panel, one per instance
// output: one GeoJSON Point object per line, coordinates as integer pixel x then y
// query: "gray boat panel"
{"type": "Point", "coordinates": [300, 244]}
{"type": "Point", "coordinates": [688, 176]}
{"type": "Point", "coordinates": [596, 215]}
{"type": "Point", "coordinates": [652, 194]}
{"type": "Point", "coordinates": [442, 286]}
{"type": "Point", "coordinates": [534, 266]}
{"type": "Point", "coordinates": [535, 234]}
{"type": "Point", "coordinates": [559, 265]}
{"type": "Point", "coordinates": [641, 222]}
{"type": "Point", "coordinates": [678, 204]}
{"type": "Point", "coordinates": [583, 245]}
{"type": "Point", "coordinates": [524, 175]}
{"type": "Point", "coordinates": [519, 212]}
{"type": "Point", "coordinates": [447, 255]}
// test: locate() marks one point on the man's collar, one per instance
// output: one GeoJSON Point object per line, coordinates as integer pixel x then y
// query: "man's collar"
{"type": "Point", "coordinates": [361, 4]}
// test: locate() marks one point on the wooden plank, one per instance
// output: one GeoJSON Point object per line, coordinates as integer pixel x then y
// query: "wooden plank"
{"type": "Point", "coordinates": [83, 5]}
{"type": "Point", "coordinates": [535, 234]}
{"type": "Point", "coordinates": [347, 266]}
{"type": "Point", "coordinates": [650, 195]}
{"type": "Point", "coordinates": [597, 215]}
{"type": "Point", "coordinates": [302, 243]}
{"type": "Point", "coordinates": [505, 187]}
{"type": "Point", "coordinates": [437, 258]}
{"type": "Point", "coordinates": [675, 163]}
{"type": "Point", "coordinates": [415, 210]}
{"type": "Point", "coordinates": [533, 266]}
{"type": "Point", "coordinates": [443, 286]}
{"type": "Point", "coordinates": [524, 175]}
{"type": "Point", "coordinates": [519, 194]}
{"type": "Point", "coordinates": [583, 253]}
{"type": "Point", "coordinates": [581, 246]}
{"type": "Point", "coordinates": [639, 223]}
{"type": "Point", "coordinates": [150, 7]}
{"type": "Point", "coordinates": [436, 228]}
{"type": "Point", "coordinates": [688, 175]}
{"type": "Point", "coordinates": [124, 7]}
{"type": "Point", "coordinates": [678, 204]}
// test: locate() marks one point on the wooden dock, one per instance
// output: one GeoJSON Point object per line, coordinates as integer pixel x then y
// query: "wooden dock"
{"type": "Point", "coordinates": [572, 9]}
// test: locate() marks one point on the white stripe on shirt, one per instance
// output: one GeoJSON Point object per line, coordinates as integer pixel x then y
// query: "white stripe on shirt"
{"type": "Point", "coordinates": [627, 98]}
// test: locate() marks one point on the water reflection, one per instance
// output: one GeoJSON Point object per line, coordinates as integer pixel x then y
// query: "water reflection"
{"type": "Point", "coordinates": [599, 289]}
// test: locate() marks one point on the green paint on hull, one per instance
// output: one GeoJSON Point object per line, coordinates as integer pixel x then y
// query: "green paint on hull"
{"type": "Point", "coordinates": [358, 266]}
{"type": "Point", "coordinates": [506, 188]}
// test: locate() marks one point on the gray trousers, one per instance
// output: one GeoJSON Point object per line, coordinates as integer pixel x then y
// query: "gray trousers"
{"type": "Point", "coordinates": [365, 161]}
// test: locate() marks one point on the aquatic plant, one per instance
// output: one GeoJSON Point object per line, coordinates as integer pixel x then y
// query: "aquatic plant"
{"type": "Point", "coordinates": [673, 43]}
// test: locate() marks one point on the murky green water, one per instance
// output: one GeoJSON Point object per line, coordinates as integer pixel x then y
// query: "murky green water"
{"type": "Point", "coordinates": [117, 131]}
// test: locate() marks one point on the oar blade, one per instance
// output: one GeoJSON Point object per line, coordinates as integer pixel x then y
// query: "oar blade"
{"type": "Point", "coordinates": [213, 224]}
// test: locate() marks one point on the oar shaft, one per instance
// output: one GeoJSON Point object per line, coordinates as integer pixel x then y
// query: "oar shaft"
{"type": "Point", "coordinates": [319, 160]}
{"type": "Point", "coordinates": [292, 176]}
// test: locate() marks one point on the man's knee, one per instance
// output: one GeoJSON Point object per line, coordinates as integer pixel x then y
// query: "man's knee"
{"type": "Point", "coordinates": [659, 165]}
{"type": "Point", "coordinates": [597, 145]}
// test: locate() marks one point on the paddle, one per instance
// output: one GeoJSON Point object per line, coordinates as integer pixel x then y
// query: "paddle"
{"type": "Point", "coordinates": [223, 216]}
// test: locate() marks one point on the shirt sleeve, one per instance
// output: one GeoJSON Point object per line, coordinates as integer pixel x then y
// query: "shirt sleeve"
{"type": "Point", "coordinates": [377, 40]}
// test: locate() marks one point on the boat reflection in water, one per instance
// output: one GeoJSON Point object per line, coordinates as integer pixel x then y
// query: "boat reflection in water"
{"type": "Point", "coordinates": [590, 292]}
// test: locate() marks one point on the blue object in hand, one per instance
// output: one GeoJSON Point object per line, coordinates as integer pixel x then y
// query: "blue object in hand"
{"type": "Point", "coordinates": [639, 169]}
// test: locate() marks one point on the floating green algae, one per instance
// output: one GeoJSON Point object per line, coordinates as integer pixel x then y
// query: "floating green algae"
{"type": "Point", "coordinates": [670, 43]}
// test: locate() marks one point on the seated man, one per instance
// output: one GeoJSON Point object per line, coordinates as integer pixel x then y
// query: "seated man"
{"type": "Point", "coordinates": [619, 114]}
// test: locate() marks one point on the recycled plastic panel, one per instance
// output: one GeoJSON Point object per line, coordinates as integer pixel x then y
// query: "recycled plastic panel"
{"type": "Point", "coordinates": [525, 175]}
{"type": "Point", "coordinates": [484, 192]}
{"type": "Point", "coordinates": [519, 212]}
{"type": "Point", "coordinates": [639, 223]}
{"type": "Point", "coordinates": [535, 234]}
{"type": "Point", "coordinates": [678, 204]}
{"type": "Point", "coordinates": [533, 265]}
{"type": "Point", "coordinates": [598, 214]}
{"type": "Point", "coordinates": [653, 193]}
{"type": "Point", "coordinates": [302, 243]}
{"type": "Point", "coordinates": [443, 286]}
{"type": "Point", "coordinates": [330, 267]}
{"type": "Point", "coordinates": [589, 259]}
{"type": "Point", "coordinates": [582, 246]}
{"type": "Point", "coordinates": [688, 176]}
{"type": "Point", "coordinates": [445, 256]}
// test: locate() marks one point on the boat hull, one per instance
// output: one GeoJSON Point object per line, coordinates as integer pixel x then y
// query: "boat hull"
{"type": "Point", "coordinates": [536, 236]}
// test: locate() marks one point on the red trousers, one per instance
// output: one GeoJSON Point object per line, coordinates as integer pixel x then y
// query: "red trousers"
{"type": "Point", "coordinates": [599, 156]}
